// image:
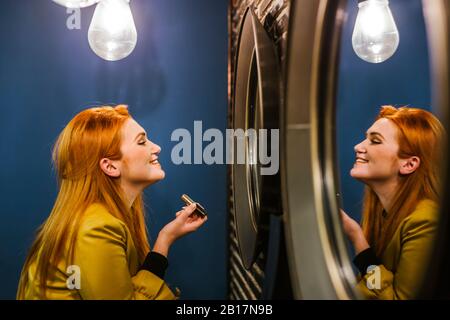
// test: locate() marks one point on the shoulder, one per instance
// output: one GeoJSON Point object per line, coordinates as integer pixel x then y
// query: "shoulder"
{"type": "Point", "coordinates": [99, 222]}
{"type": "Point", "coordinates": [426, 210]}
{"type": "Point", "coordinates": [424, 218]}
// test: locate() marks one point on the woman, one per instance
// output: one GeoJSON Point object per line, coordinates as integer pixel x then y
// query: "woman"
{"type": "Point", "coordinates": [94, 243]}
{"type": "Point", "coordinates": [399, 163]}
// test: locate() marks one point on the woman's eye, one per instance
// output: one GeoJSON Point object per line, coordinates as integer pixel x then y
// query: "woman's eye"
{"type": "Point", "coordinates": [375, 141]}
{"type": "Point", "coordinates": [142, 142]}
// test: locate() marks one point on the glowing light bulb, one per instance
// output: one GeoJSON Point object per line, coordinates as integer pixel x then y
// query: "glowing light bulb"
{"type": "Point", "coordinates": [76, 3]}
{"type": "Point", "coordinates": [112, 34]}
{"type": "Point", "coordinates": [375, 37]}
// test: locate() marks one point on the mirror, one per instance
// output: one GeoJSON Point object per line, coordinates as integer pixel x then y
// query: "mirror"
{"type": "Point", "coordinates": [322, 88]}
{"type": "Point", "coordinates": [406, 79]}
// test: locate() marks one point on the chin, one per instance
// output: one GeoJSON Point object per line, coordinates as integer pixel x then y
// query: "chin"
{"type": "Point", "coordinates": [159, 175]}
{"type": "Point", "coordinates": [357, 174]}
{"type": "Point", "coordinates": [154, 177]}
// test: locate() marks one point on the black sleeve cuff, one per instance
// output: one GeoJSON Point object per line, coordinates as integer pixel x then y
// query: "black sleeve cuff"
{"type": "Point", "coordinates": [155, 263]}
{"type": "Point", "coordinates": [365, 259]}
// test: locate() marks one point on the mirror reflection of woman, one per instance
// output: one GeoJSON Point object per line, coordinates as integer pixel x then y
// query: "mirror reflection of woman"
{"type": "Point", "coordinates": [94, 243]}
{"type": "Point", "coordinates": [399, 164]}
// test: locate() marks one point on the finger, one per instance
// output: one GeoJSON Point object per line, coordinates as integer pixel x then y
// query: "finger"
{"type": "Point", "coordinates": [193, 226]}
{"type": "Point", "coordinates": [185, 213]}
{"type": "Point", "coordinates": [178, 213]}
{"type": "Point", "coordinates": [199, 221]}
{"type": "Point", "coordinates": [190, 209]}
{"type": "Point", "coordinates": [195, 215]}
{"type": "Point", "coordinates": [195, 219]}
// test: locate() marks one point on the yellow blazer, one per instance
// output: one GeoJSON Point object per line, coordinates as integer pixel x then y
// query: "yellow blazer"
{"type": "Point", "coordinates": [108, 265]}
{"type": "Point", "coordinates": [405, 260]}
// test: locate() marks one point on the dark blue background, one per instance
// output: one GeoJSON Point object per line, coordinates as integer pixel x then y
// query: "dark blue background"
{"type": "Point", "coordinates": [177, 74]}
{"type": "Point", "coordinates": [404, 79]}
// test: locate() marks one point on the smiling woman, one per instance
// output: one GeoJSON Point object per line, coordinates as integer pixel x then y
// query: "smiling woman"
{"type": "Point", "coordinates": [399, 162]}
{"type": "Point", "coordinates": [94, 243]}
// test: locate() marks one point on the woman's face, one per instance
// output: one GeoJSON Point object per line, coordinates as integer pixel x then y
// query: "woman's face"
{"type": "Point", "coordinates": [377, 156]}
{"type": "Point", "coordinates": [139, 164]}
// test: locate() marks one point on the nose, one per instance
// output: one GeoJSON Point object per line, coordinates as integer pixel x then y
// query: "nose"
{"type": "Point", "coordinates": [156, 148]}
{"type": "Point", "coordinates": [359, 148]}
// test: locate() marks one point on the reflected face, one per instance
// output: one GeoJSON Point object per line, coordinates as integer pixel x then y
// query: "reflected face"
{"type": "Point", "coordinates": [377, 156]}
{"type": "Point", "coordinates": [140, 166]}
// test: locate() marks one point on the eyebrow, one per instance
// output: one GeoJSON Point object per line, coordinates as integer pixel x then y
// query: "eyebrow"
{"type": "Point", "coordinates": [139, 134]}
{"type": "Point", "coordinates": [375, 134]}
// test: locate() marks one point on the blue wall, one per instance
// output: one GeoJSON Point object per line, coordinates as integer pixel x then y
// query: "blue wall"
{"type": "Point", "coordinates": [404, 79]}
{"type": "Point", "coordinates": [177, 74]}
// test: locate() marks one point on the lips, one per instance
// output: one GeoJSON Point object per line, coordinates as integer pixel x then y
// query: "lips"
{"type": "Point", "coordinates": [154, 161]}
{"type": "Point", "coordinates": [361, 160]}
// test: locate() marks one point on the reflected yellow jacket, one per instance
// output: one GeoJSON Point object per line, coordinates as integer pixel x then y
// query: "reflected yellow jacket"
{"type": "Point", "coordinates": [108, 265]}
{"type": "Point", "coordinates": [405, 260]}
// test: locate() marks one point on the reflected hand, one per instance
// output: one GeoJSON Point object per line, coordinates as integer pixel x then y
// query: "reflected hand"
{"type": "Point", "coordinates": [351, 227]}
{"type": "Point", "coordinates": [354, 232]}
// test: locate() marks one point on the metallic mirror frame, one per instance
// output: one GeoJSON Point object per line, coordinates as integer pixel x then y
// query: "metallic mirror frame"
{"type": "Point", "coordinates": [257, 79]}
{"type": "Point", "coordinates": [437, 21]}
{"type": "Point", "coordinates": [319, 262]}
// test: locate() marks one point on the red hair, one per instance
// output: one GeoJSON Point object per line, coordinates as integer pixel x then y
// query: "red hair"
{"type": "Point", "coordinates": [91, 135]}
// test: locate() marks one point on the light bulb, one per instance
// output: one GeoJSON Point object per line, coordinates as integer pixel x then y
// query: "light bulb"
{"type": "Point", "coordinates": [112, 34]}
{"type": "Point", "coordinates": [375, 37]}
{"type": "Point", "coordinates": [76, 3]}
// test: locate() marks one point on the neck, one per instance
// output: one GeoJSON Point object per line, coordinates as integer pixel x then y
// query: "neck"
{"type": "Point", "coordinates": [386, 192]}
{"type": "Point", "coordinates": [131, 193]}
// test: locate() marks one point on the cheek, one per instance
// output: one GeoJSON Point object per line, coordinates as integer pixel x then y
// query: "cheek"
{"type": "Point", "coordinates": [381, 154]}
{"type": "Point", "coordinates": [395, 165]}
{"type": "Point", "coordinates": [386, 160]}
{"type": "Point", "coordinates": [391, 159]}
{"type": "Point", "coordinates": [138, 156]}
{"type": "Point", "coordinates": [134, 159]}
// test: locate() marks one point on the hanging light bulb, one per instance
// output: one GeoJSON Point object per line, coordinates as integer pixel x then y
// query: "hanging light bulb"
{"type": "Point", "coordinates": [112, 34]}
{"type": "Point", "coordinates": [375, 37]}
{"type": "Point", "coordinates": [76, 3]}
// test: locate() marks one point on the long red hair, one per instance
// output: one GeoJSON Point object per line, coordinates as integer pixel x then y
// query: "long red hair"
{"type": "Point", "coordinates": [419, 134]}
{"type": "Point", "coordinates": [91, 135]}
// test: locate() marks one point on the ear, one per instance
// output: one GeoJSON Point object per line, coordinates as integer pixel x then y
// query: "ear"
{"type": "Point", "coordinates": [110, 167]}
{"type": "Point", "coordinates": [409, 165]}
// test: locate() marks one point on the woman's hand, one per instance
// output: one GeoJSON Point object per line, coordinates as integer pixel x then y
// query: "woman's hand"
{"type": "Point", "coordinates": [354, 232]}
{"type": "Point", "coordinates": [184, 223]}
{"type": "Point", "coordinates": [351, 227]}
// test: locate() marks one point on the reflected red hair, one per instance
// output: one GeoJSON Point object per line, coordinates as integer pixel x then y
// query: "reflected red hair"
{"type": "Point", "coordinates": [419, 134]}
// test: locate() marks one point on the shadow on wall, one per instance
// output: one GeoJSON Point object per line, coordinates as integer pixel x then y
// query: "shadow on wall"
{"type": "Point", "coordinates": [143, 71]}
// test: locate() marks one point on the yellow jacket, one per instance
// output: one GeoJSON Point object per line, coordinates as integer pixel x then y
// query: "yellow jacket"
{"type": "Point", "coordinates": [108, 265]}
{"type": "Point", "coordinates": [406, 257]}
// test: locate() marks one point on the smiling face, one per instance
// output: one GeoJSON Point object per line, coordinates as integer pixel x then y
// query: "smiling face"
{"type": "Point", "coordinates": [377, 156]}
{"type": "Point", "coordinates": [139, 165]}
